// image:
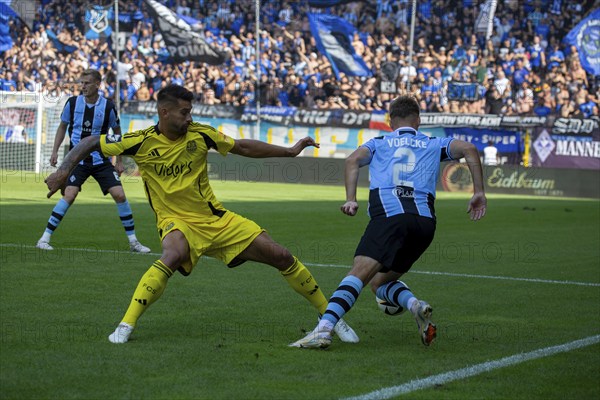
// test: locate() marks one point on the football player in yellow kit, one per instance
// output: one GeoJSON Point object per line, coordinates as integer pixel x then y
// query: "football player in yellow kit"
{"type": "Point", "coordinates": [191, 222]}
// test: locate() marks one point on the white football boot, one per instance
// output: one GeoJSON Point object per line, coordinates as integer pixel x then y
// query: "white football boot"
{"type": "Point", "coordinates": [314, 340]}
{"type": "Point", "coordinates": [345, 333]}
{"type": "Point", "coordinates": [121, 334]}
{"type": "Point", "coordinates": [137, 247]}
{"type": "Point", "coordinates": [422, 313]}
{"type": "Point", "coordinates": [43, 245]}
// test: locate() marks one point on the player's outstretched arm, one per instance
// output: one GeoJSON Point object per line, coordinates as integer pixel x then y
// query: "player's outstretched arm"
{"type": "Point", "coordinates": [478, 203]}
{"type": "Point", "coordinates": [257, 149]}
{"type": "Point", "coordinates": [57, 180]}
{"type": "Point", "coordinates": [357, 159]}
{"type": "Point", "coordinates": [61, 131]}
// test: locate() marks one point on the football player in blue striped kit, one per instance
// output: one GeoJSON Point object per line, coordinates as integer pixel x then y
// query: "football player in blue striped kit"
{"type": "Point", "coordinates": [85, 115]}
{"type": "Point", "coordinates": [403, 167]}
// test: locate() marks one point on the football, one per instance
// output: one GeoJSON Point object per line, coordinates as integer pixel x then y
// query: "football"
{"type": "Point", "coordinates": [389, 308]}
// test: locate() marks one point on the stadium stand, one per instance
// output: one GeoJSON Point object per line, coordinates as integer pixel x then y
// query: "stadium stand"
{"type": "Point", "coordinates": [523, 69]}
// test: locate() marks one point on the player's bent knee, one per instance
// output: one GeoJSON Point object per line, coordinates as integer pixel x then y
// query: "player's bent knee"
{"type": "Point", "coordinates": [279, 257]}
{"type": "Point", "coordinates": [70, 194]}
{"type": "Point", "coordinates": [284, 259]}
{"type": "Point", "coordinates": [70, 198]}
{"type": "Point", "coordinates": [119, 197]}
{"type": "Point", "coordinates": [174, 259]}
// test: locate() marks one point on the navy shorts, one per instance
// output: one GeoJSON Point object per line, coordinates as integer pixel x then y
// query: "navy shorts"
{"type": "Point", "coordinates": [105, 174]}
{"type": "Point", "coordinates": [396, 242]}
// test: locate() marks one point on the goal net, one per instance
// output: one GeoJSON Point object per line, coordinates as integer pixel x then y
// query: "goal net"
{"type": "Point", "coordinates": [28, 123]}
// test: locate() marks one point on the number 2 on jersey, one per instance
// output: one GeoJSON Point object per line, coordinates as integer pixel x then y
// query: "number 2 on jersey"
{"type": "Point", "coordinates": [404, 164]}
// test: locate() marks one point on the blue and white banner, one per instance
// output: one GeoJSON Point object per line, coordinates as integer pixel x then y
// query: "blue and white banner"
{"type": "Point", "coordinates": [333, 36]}
{"type": "Point", "coordinates": [6, 14]}
{"type": "Point", "coordinates": [505, 140]}
{"type": "Point", "coordinates": [182, 42]}
{"type": "Point", "coordinates": [556, 148]}
{"type": "Point", "coordinates": [463, 91]}
{"type": "Point", "coordinates": [98, 21]}
{"type": "Point", "coordinates": [586, 37]}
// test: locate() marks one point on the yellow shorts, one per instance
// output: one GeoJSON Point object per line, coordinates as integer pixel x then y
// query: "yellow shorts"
{"type": "Point", "coordinates": [222, 239]}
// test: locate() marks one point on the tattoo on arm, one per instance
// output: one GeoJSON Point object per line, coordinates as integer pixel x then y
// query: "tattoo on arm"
{"type": "Point", "coordinates": [79, 152]}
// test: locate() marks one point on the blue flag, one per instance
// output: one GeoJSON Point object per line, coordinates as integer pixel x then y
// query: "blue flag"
{"type": "Point", "coordinates": [60, 46]}
{"type": "Point", "coordinates": [98, 22]}
{"type": "Point", "coordinates": [6, 13]}
{"type": "Point", "coordinates": [333, 37]}
{"type": "Point", "coordinates": [586, 37]}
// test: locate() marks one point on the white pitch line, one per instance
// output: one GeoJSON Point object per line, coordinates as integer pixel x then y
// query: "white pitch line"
{"type": "Point", "coordinates": [505, 278]}
{"type": "Point", "coordinates": [61, 249]}
{"type": "Point", "coordinates": [474, 370]}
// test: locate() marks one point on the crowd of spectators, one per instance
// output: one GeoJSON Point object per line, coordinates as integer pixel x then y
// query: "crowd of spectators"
{"type": "Point", "coordinates": [523, 69]}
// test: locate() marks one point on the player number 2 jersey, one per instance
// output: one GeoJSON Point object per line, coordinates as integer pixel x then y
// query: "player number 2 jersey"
{"type": "Point", "coordinates": [404, 168]}
{"type": "Point", "coordinates": [174, 171]}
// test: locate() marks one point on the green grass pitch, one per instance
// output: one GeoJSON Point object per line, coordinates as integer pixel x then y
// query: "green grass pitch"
{"type": "Point", "coordinates": [526, 277]}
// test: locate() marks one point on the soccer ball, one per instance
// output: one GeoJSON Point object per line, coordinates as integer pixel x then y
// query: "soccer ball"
{"type": "Point", "coordinates": [389, 308]}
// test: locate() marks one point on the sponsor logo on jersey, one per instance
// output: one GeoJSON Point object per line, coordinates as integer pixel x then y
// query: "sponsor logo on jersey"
{"type": "Point", "coordinates": [173, 170]}
{"type": "Point", "coordinates": [404, 191]}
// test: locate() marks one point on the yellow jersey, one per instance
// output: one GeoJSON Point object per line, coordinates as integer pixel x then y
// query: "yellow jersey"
{"type": "Point", "coordinates": [174, 172]}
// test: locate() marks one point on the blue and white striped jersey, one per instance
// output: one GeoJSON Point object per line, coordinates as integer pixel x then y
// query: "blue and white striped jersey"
{"type": "Point", "coordinates": [404, 167]}
{"type": "Point", "coordinates": [85, 120]}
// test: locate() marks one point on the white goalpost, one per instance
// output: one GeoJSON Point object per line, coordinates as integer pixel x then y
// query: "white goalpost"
{"type": "Point", "coordinates": [28, 123]}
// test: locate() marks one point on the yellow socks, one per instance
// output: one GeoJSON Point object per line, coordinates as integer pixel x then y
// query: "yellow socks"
{"type": "Point", "coordinates": [153, 283]}
{"type": "Point", "coordinates": [302, 281]}
{"type": "Point", "coordinates": [149, 289]}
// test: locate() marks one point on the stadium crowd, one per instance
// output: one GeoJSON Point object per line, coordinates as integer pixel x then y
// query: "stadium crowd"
{"type": "Point", "coordinates": [523, 69]}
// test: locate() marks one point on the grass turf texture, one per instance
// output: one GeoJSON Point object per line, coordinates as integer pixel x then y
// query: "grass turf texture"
{"type": "Point", "coordinates": [221, 334]}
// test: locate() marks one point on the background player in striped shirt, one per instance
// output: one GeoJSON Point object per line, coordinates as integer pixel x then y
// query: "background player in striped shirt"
{"type": "Point", "coordinates": [85, 115]}
{"type": "Point", "coordinates": [403, 167]}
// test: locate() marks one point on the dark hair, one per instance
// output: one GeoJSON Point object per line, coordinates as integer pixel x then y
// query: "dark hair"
{"type": "Point", "coordinates": [171, 93]}
{"type": "Point", "coordinates": [403, 107]}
